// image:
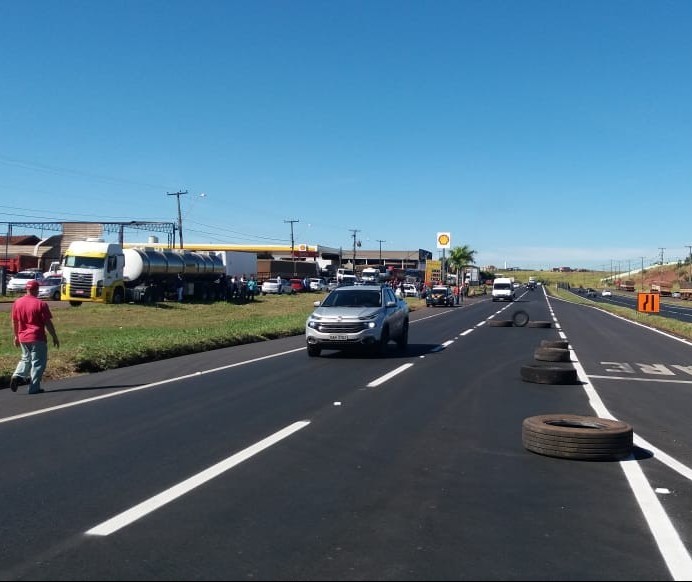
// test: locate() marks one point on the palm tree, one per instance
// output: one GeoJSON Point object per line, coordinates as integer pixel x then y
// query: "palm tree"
{"type": "Point", "coordinates": [459, 257]}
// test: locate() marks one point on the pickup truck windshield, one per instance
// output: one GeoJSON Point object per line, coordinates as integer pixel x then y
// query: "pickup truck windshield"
{"type": "Point", "coordinates": [353, 299]}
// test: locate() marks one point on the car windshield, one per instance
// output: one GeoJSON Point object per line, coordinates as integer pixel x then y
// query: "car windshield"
{"type": "Point", "coordinates": [502, 286]}
{"type": "Point", "coordinates": [25, 276]}
{"type": "Point", "coordinates": [353, 298]}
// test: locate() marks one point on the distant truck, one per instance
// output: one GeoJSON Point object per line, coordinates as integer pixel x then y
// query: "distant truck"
{"type": "Point", "coordinates": [627, 285]}
{"type": "Point", "coordinates": [16, 263]}
{"type": "Point", "coordinates": [686, 290]}
{"type": "Point", "coordinates": [238, 263]}
{"type": "Point", "coordinates": [662, 288]}
{"type": "Point", "coordinates": [96, 271]}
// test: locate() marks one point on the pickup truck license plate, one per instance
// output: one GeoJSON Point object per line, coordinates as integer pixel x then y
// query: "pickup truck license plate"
{"type": "Point", "coordinates": [338, 337]}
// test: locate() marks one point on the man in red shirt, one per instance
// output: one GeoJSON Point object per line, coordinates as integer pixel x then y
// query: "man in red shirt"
{"type": "Point", "coordinates": [31, 317]}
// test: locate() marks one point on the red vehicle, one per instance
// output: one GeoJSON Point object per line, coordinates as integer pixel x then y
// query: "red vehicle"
{"type": "Point", "coordinates": [297, 285]}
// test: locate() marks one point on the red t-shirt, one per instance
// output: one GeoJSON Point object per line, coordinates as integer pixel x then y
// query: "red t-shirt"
{"type": "Point", "coordinates": [31, 315]}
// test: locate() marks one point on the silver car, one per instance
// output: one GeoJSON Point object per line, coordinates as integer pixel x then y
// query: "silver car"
{"type": "Point", "coordinates": [357, 316]}
{"type": "Point", "coordinates": [272, 286]}
{"type": "Point", "coordinates": [17, 284]}
{"type": "Point", "coordinates": [49, 288]}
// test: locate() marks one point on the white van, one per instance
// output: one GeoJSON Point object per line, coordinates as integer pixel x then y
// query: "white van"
{"type": "Point", "coordinates": [503, 289]}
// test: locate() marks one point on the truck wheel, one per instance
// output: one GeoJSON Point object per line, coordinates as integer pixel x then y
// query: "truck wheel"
{"type": "Point", "coordinates": [56, 296]}
{"type": "Point", "coordinates": [118, 296]}
{"type": "Point", "coordinates": [313, 351]}
{"type": "Point", "coordinates": [75, 303]}
{"type": "Point", "coordinates": [552, 355]}
{"type": "Point", "coordinates": [520, 318]}
{"type": "Point", "coordinates": [571, 436]}
{"type": "Point", "coordinates": [547, 374]}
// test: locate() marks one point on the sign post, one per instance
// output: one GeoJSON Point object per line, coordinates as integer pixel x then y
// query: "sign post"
{"type": "Point", "coordinates": [444, 241]}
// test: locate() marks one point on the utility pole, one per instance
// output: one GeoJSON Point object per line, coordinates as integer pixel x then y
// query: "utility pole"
{"type": "Point", "coordinates": [293, 256]}
{"type": "Point", "coordinates": [180, 216]}
{"type": "Point", "coordinates": [690, 258]}
{"type": "Point", "coordinates": [354, 231]}
{"type": "Point", "coordinates": [642, 258]}
{"type": "Point", "coordinates": [381, 241]}
{"type": "Point", "coordinates": [660, 269]}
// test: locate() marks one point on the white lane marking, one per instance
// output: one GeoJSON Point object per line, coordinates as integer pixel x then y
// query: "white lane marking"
{"type": "Point", "coordinates": [447, 343]}
{"type": "Point", "coordinates": [630, 379]}
{"type": "Point", "coordinates": [142, 387]}
{"type": "Point", "coordinates": [153, 503]}
{"type": "Point", "coordinates": [389, 375]}
{"type": "Point", "coordinates": [467, 332]}
{"type": "Point", "coordinates": [671, 547]}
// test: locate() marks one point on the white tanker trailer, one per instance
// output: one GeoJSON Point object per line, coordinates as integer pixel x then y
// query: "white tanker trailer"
{"type": "Point", "coordinates": [98, 271]}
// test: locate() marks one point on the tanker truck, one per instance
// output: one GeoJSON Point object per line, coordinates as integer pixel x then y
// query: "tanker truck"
{"type": "Point", "coordinates": [97, 271]}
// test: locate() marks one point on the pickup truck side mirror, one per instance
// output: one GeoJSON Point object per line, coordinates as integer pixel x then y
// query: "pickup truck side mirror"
{"type": "Point", "coordinates": [390, 304]}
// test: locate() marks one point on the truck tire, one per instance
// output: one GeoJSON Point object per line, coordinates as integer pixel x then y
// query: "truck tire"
{"type": "Point", "coordinates": [552, 355]}
{"type": "Point", "coordinates": [520, 318]}
{"type": "Point", "coordinates": [544, 324]}
{"type": "Point", "coordinates": [381, 347]}
{"type": "Point", "coordinates": [118, 296]}
{"type": "Point", "coordinates": [314, 351]}
{"type": "Point", "coordinates": [571, 436]}
{"type": "Point", "coordinates": [545, 374]}
{"type": "Point", "coordinates": [76, 303]}
{"type": "Point", "coordinates": [562, 344]}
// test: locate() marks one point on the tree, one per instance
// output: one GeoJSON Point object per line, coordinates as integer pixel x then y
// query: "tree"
{"type": "Point", "coordinates": [459, 257]}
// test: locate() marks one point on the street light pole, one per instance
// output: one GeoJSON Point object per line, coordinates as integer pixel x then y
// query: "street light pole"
{"type": "Point", "coordinates": [180, 216]}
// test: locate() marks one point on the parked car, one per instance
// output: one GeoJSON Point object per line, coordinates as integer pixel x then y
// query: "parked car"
{"type": "Point", "coordinates": [18, 283]}
{"type": "Point", "coordinates": [410, 290]}
{"type": "Point", "coordinates": [49, 288]}
{"type": "Point", "coordinates": [606, 293]}
{"type": "Point", "coordinates": [272, 287]}
{"type": "Point", "coordinates": [318, 284]}
{"type": "Point", "coordinates": [440, 295]}
{"type": "Point", "coordinates": [297, 285]}
{"type": "Point", "coordinates": [357, 316]}
{"type": "Point", "coordinates": [675, 294]}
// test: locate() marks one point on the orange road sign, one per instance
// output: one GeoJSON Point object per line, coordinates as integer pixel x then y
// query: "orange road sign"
{"type": "Point", "coordinates": [648, 302]}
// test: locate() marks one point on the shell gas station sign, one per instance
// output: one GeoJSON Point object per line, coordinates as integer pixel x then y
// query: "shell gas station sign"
{"type": "Point", "coordinates": [444, 240]}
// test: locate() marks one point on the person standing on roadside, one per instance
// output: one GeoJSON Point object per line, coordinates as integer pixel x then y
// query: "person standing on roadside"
{"type": "Point", "coordinates": [31, 317]}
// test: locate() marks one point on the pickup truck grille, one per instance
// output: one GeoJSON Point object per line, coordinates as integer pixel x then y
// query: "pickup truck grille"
{"type": "Point", "coordinates": [342, 326]}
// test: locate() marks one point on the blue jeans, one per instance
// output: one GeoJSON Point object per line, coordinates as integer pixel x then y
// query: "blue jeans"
{"type": "Point", "coordinates": [32, 364]}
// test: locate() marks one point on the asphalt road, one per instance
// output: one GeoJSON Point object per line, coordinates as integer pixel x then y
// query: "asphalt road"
{"type": "Point", "coordinates": [257, 462]}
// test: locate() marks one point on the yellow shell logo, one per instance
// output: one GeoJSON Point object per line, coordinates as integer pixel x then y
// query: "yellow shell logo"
{"type": "Point", "coordinates": [443, 239]}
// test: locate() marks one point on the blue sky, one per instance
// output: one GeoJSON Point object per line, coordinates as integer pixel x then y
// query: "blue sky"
{"type": "Point", "coordinates": [540, 133]}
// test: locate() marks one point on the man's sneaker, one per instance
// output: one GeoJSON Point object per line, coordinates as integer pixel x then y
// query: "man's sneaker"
{"type": "Point", "coordinates": [16, 382]}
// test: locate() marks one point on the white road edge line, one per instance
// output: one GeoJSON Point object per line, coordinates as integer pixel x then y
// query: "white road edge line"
{"type": "Point", "coordinates": [389, 375]}
{"type": "Point", "coordinates": [153, 503]}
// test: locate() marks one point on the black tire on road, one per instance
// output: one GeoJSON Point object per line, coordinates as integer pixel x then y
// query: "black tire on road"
{"type": "Point", "coordinates": [546, 374]}
{"type": "Point", "coordinates": [552, 355]}
{"type": "Point", "coordinates": [572, 436]}
{"type": "Point", "coordinates": [562, 344]}
{"type": "Point", "coordinates": [500, 323]}
{"type": "Point", "coordinates": [381, 347]}
{"type": "Point", "coordinates": [540, 324]}
{"type": "Point", "coordinates": [520, 318]}
{"type": "Point", "coordinates": [313, 351]}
